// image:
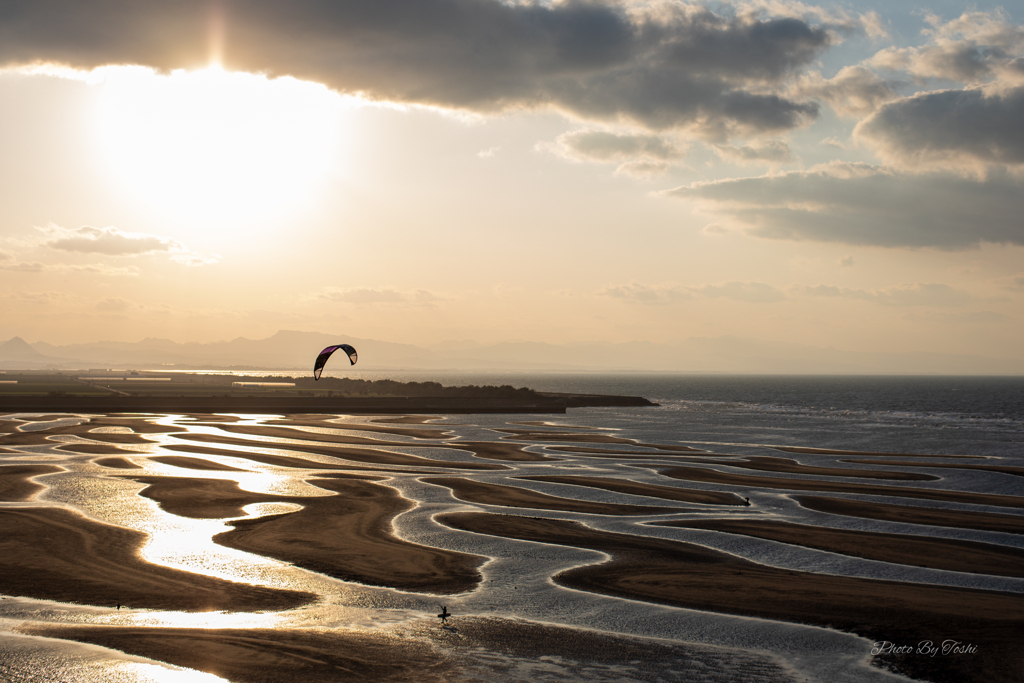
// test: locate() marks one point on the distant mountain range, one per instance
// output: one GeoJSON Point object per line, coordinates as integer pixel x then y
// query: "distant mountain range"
{"type": "Point", "coordinates": [290, 350]}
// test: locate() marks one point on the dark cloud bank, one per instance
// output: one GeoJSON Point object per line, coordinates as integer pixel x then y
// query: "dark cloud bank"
{"type": "Point", "coordinates": [971, 124]}
{"type": "Point", "coordinates": [668, 66]}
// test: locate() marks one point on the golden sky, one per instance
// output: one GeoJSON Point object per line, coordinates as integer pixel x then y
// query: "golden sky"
{"type": "Point", "coordinates": [847, 176]}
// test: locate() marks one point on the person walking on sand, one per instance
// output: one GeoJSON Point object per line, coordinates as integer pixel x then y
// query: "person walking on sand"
{"type": "Point", "coordinates": [443, 616]}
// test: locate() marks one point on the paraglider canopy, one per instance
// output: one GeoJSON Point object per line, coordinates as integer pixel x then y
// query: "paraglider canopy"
{"type": "Point", "coordinates": [321, 360]}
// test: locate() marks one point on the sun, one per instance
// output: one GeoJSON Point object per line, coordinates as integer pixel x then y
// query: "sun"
{"type": "Point", "coordinates": [217, 146]}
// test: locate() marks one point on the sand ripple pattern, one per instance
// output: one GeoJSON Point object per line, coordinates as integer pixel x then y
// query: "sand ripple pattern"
{"type": "Point", "coordinates": [314, 522]}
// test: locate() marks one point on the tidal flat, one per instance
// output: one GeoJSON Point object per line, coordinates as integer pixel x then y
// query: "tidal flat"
{"type": "Point", "coordinates": [321, 547]}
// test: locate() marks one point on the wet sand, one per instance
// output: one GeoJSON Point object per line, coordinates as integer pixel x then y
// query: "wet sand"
{"type": "Point", "coordinates": [271, 655]}
{"type": "Point", "coordinates": [1002, 469]}
{"type": "Point", "coordinates": [278, 460]}
{"type": "Point", "coordinates": [498, 451]}
{"type": "Point", "coordinates": [949, 554]}
{"type": "Point", "coordinates": [94, 448]}
{"type": "Point", "coordinates": [292, 432]}
{"type": "Point", "coordinates": [473, 649]}
{"type": "Point", "coordinates": [767, 464]}
{"type": "Point", "coordinates": [117, 463]}
{"type": "Point", "coordinates": [960, 519]}
{"type": "Point", "coordinates": [716, 477]}
{"type": "Point", "coordinates": [326, 421]}
{"type": "Point", "coordinates": [649, 490]}
{"type": "Point", "coordinates": [367, 455]}
{"type": "Point", "coordinates": [15, 484]}
{"type": "Point", "coordinates": [687, 575]}
{"type": "Point", "coordinates": [84, 429]}
{"type": "Point", "coordinates": [544, 435]}
{"type": "Point", "coordinates": [193, 463]}
{"type": "Point", "coordinates": [348, 536]}
{"type": "Point", "coordinates": [834, 451]}
{"type": "Point", "coordinates": [56, 554]}
{"type": "Point", "coordinates": [201, 498]}
{"type": "Point", "coordinates": [512, 496]}
{"type": "Point", "coordinates": [482, 449]}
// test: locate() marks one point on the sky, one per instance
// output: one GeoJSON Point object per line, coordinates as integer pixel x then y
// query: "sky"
{"type": "Point", "coordinates": [837, 175]}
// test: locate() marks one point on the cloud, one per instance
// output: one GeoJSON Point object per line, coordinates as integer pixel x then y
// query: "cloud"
{"type": "Point", "coordinates": [853, 203]}
{"type": "Point", "coordinates": [113, 242]}
{"type": "Point", "coordinates": [750, 292]}
{"type": "Point", "coordinates": [846, 261]}
{"type": "Point", "coordinates": [770, 151]}
{"type": "Point", "coordinates": [192, 259]}
{"type": "Point", "coordinates": [596, 145]}
{"type": "Point", "coordinates": [660, 65]}
{"type": "Point", "coordinates": [366, 295]}
{"type": "Point", "coordinates": [1014, 283]}
{"type": "Point", "coordinates": [110, 241]}
{"type": "Point", "coordinates": [648, 294]}
{"type": "Point", "coordinates": [640, 155]}
{"type": "Point", "coordinates": [99, 269]}
{"type": "Point", "coordinates": [972, 48]}
{"type": "Point", "coordinates": [114, 305]}
{"type": "Point", "coordinates": [912, 294]}
{"type": "Point", "coordinates": [854, 91]}
{"type": "Point", "coordinates": [95, 268]}
{"type": "Point", "coordinates": [950, 127]}
{"type": "Point", "coordinates": [976, 126]}
{"type": "Point", "coordinates": [833, 142]}
{"type": "Point", "coordinates": [978, 318]}
{"type": "Point", "coordinates": [22, 266]}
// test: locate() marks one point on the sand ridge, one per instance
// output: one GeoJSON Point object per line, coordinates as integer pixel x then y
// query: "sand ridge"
{"type": "Point", "coordinates": [768, 464]}
{"type": "Point", "coordinates": [512, 496]}
{"type": "Point", "coordinates": [938, 553]}
{"type": "Point", "coordinates": [348, 536]}
{"type": "Point", "coordinates": [715, 477]}
{"type": "Point", "coordinates": [688, 575]}
{"type": "Point", "coordinates": [16, 483]}
{"type": "Point", "coordinates": [907, 514]}
{"type": "Point", "coordinates": [57, 554]}
{"type": "Point", "coordinates": [367, 455]}
{"type": "Point", "coordinates": [651, 490]}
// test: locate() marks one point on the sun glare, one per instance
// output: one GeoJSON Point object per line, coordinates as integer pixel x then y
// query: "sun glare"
{"type": "Point", "coordinates": [216, 145]}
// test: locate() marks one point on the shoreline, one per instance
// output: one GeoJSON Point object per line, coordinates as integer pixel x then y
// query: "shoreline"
{"type": "Point", "coordinates": [379, 405]}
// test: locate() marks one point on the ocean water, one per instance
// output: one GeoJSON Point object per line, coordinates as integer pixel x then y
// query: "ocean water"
{"type": "Point", "coordinates": [906, 414]}
{"type": "Point", "coordinates": [718, 414]}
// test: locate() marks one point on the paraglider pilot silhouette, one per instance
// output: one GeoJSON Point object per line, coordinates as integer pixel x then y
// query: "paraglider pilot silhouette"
{"type": "Point", "coordinates": [321, 360]}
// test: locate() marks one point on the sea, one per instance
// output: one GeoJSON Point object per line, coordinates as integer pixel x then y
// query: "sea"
{"type": "Point", "coordinates": [949, 415]}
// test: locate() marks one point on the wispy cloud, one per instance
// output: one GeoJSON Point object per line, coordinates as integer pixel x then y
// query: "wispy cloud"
{"type": "Point", "coordinates": [869, 205]}
{"type": "Point", "coordinates": [368, 295]}
{"type": "Point", "coordinates": [641, 155]}
{"type": "Point", "coordinates": [973, 48]}
{"type": "Point", "coordinates": [854, 91]}
{"type": "Point", "coordinates": [22, 266]}
{"type": "Point", "coordinates": [750, 292]}
{"type": "Point", "coordinates": [910, 294]}
{"type": "Point", "coordinates": [114, 305]}
{"type": "Point", "coordinates": [767, 152]}
{"type": "Point", "coordinates": [111, 241]}
{"type": "Point", "coordinates": [1014, 283]}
